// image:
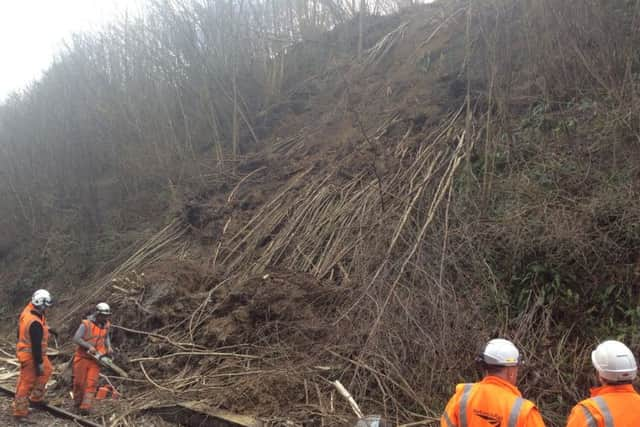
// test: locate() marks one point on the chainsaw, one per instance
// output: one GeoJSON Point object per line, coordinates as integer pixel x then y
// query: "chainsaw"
{"type": "Point", "coordinates": [107, 362]}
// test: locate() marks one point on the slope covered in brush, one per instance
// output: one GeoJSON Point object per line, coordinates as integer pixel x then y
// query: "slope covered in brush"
{"type": "Point", "coordinates": [472, 173]}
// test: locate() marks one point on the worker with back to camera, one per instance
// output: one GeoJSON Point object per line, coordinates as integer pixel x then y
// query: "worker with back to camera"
{"type": "Point", "coordinates": [31, 349]}
{"type": "Point", "coordinates": [494, 401]}
{"type": "Point", "coordinates": [615, 403]}
{"type": "Point", "coordinates": [93, 341]}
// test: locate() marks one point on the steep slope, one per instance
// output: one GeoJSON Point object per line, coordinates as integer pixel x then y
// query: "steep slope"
{"type": "Point", "coordinates": [461, 179]}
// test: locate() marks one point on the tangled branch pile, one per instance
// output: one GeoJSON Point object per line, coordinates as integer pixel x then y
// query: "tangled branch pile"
{"type": "Point", "coordinates": [471, 174]}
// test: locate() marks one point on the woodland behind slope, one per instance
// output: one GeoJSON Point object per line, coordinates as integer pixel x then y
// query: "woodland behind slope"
{"type": "Point", "coordinates": [286, 193]}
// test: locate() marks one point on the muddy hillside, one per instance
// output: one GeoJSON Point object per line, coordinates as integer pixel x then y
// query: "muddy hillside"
{"type": "Point", "coordinates": [368, 202]}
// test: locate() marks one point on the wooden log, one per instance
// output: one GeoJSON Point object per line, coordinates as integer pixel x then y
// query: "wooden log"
{"type": "Point", "coordinates": [201, 414]}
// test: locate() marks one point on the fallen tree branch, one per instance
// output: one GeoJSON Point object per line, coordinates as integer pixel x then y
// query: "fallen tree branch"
{"type": "Point", "coordinates": [194, 353]}
{"type": "Point", "coordinates": [181, 346]}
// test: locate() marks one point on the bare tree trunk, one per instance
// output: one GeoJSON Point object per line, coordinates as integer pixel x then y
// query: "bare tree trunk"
{"type": "Point", "coordinates": [363, 5]}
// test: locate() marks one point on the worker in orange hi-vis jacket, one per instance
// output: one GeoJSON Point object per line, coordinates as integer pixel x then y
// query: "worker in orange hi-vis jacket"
{"type": "Point", "coordinates": [31, 349]}
{"type": "Point", "coordinates": [615, 403]}
{"type": "Point", "coordinates": [494, 401]}
{"type": "Point", "coordinates": [93, 340]}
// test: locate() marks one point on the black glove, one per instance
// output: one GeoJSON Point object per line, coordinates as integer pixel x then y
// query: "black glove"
{"type": "Point", "coordinates": [39, 370]}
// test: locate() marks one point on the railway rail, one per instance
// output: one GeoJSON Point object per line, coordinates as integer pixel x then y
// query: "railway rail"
{"type": "Point", "coordinates": [54, 411]}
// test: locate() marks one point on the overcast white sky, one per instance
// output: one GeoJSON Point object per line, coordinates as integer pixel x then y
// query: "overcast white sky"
{"type": "Point", "coordinates": [31, 32]}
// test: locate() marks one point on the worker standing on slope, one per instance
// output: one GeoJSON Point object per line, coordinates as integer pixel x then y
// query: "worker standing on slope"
{"type": "Point", "coordinates": [92, 338]}
{"type": "Point", "coordinates": [615, 402]}
{"type": "Point", "coordinates": [494, 401]}
{"type": "Point", "coordinates": [31, 349]}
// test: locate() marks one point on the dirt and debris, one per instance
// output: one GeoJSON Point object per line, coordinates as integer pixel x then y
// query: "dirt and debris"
{"type": "Point", "coordinates": [36, 417]}
{"type": "Point", "coordinates": [396, 212]}
{"type": "Point", "coordinates": [102, 414]}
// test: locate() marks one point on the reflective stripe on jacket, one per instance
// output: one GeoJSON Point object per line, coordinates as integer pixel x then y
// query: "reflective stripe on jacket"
{"type": "Point", "coordinates": [609, 406]}
{"type": "Point", "coordinates": [27, 317]}
{"type": "Point", "coordinates": [94, 335]}
{"type": "Point", "coordinates": [491, 402]}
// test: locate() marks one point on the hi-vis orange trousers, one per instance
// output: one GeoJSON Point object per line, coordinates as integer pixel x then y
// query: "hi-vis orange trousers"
{"type": "Point", "coordinates": [30, 387]}
{"type": "Point", "coordinates": [85, 381]}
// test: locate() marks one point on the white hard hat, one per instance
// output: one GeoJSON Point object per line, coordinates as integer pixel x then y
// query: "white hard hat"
{"type": "Point", "coordinates": [614, 361]}
{"type": "Point", "coordinates": [501, 352]}
{"type": "Point", "coordinates": [41, 298]}
{"type": "Point", "coordinates": [103, 308]}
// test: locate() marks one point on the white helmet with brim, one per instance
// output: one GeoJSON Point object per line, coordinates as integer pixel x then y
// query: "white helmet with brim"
{"type": "Point", "coordinates": [614, 361]}
{"type": "Point", "coordinates": [501, 352]}
{"type": "Point", "coordinates": [103, 308]}
{"type": "Point", "coordinates": [41, 299]}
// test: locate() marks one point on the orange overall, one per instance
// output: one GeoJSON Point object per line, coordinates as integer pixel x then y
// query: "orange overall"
{"type": "Point", "coordinates": [30, 387]}
{"type": "Point", "coordinates": [86, 369]}
{"type": "Point", "coordinates": [609, 406]}
{"type": "Point", "coordinates": [493, 401]}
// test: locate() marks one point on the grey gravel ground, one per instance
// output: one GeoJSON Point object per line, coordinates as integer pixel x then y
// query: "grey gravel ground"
{"type": "Point", "coordinates": [36, 417]}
